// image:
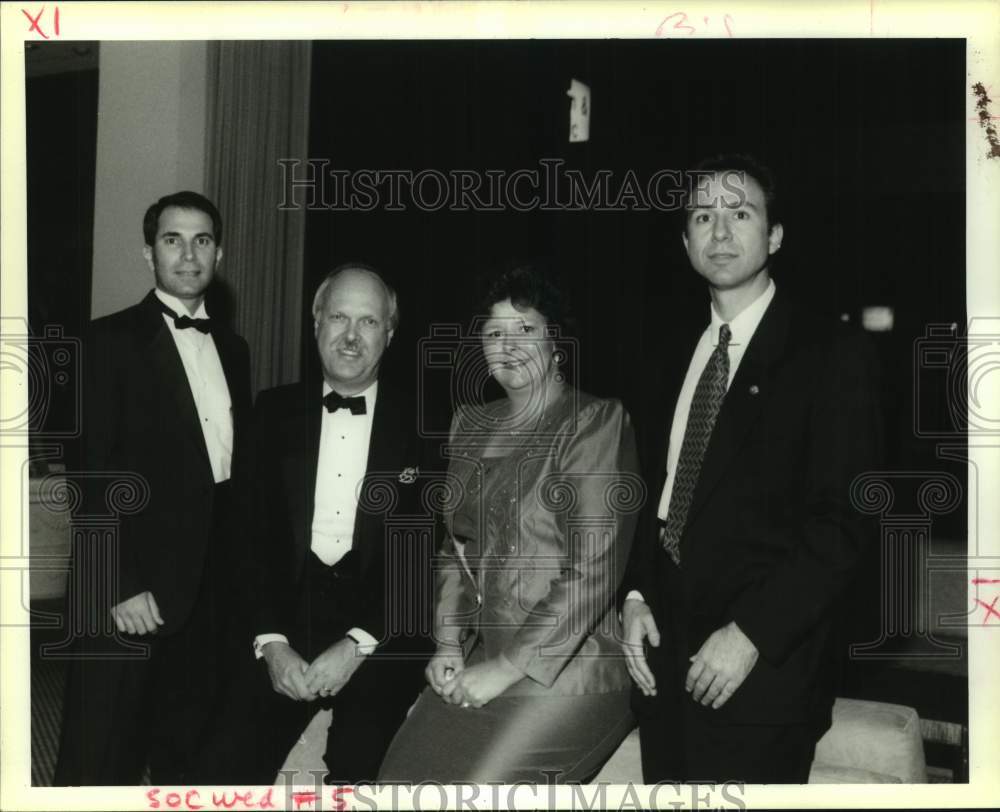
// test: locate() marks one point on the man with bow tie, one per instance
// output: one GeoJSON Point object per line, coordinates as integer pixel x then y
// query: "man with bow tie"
{"type": "Point", "coordinates": [342, 593]}
{"type": "Point", "coordinates": [750, 538]}
{"type": "Point", "coordinates": [166, 397]}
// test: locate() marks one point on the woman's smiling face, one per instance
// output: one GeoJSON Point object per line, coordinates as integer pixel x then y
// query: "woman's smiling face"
{"type": "Point", "coordinates": [518, 351]}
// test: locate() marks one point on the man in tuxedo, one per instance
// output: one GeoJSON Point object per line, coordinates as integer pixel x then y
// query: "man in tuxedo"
{"type": "Point", "coordinates": [750, 537]}
{"type": "Point", "coordinates": [342, 603]}
{"type": "Point", "coordinates": [166, 397]}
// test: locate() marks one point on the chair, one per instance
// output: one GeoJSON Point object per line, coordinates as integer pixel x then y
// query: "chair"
{"type": "Point", "coordinates": [870, 743]}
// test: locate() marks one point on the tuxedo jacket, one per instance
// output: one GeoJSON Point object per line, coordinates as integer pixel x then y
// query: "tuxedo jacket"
{"type": "Point", "coordinates": [140, 426]}
{"type": "Point", "coordinates": [772, 538]}
{"type": "Point", "coordinates": [394, 528]}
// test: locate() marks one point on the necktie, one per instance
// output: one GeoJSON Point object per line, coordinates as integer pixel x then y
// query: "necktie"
{"type": "Point", "coordinates": [183, 322]}
{"type": "Point", "coordinates": [333, 401]}
{"type": "Point", "coordinates": [705, 404]}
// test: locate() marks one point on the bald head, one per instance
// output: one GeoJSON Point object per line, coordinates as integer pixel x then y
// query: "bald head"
{"type": "Point", "coordinates": [354, 319]}
{"type": "Point", "coordinates": [355, 268]}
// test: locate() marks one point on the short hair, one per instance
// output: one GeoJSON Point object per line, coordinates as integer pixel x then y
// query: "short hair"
{"type": "Point", "coordinates": [531, 285]}
{"type": "Point", "coordinates": [180, 200]}
{"type": "Point", "coordinates": [319, 300]}
{"type": "Point", "coordinates": [743, 163]}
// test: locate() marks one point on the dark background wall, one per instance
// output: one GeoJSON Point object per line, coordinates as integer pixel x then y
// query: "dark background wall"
{"type": "Point", "coordinates": [61, 139]}
{"type": "Point", "coordinates": [867, 138]}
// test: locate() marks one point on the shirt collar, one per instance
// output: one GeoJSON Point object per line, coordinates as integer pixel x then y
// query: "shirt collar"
{"type": "Point", "coordinates": [178, 306]}
{"type": "Point", "coordinates": [368, 394]}
{"type": "Point", "coordinates": [745, 324]}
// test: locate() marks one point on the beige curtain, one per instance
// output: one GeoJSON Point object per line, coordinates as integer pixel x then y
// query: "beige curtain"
{"type": "Point", "coordinates": [258, 113]}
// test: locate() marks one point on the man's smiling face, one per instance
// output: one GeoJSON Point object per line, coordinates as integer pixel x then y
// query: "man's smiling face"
{"type": "Point", "coordinates": [184, 254]}
{"type": "Point", "coordinates": [727, 237]}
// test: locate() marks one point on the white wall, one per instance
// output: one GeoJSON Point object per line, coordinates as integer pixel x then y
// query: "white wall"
{"type": "Point", "coordinates": [151, 120]}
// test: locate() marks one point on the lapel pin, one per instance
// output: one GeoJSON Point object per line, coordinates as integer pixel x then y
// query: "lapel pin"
{"type": "Point", "coordinates": [754, 389]}
{"type": "Point", "coordinates": [409, 476]}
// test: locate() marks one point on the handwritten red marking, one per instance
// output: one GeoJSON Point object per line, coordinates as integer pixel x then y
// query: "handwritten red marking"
{"type": "Point", "coordinates": [339, 802]}
{"type": "Point", "coordinates": [227, 802]}
{"type": "Point", "coordinates": [191, 799]}
{"type": "Point", "coordinates": [34, 22]}
{"type": "Point", "coordinates": [678, 24]}
{"type": "Point", "coordinates": [303, 798]}
{"type": "Point", "coordinates": [986, 580]}
{"type": "Point", "coordinates": [57, 21]}
{"type": "Point", "coordinates": [990, 610]}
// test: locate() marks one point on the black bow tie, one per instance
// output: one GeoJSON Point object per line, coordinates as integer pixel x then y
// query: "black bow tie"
{"type": "Point", "coordinates": [201, 325]}
{"type": "Point", "coordinates": [333, 401]}
{"type": "Point", "coordinates": [183, 322]}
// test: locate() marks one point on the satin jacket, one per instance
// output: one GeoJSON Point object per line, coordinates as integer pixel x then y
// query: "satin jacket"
{"type": "Point", "coordinates": [557, 517]}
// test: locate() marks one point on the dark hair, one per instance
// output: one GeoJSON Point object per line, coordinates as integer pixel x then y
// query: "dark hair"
{"type": "Point", "coordinates": [743, 163]}
{"type": "Point", "coordinates": [181, 200]}
{"type": "Point", "coordinates": [319, 299]}
{"type": "Point", "coordinates": [531, 285]}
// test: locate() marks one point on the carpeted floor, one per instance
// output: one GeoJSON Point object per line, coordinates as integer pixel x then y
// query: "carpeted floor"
{"type": "Point", "coordinates": [48, 686]}
{"type": "Point", "coordinates": [48, 680]}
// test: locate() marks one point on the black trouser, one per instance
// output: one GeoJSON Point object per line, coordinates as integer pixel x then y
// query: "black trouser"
{"type": "Point", "coordinates": [681, 741]}
{"type": "Point", "coordinates": [261, 726]}
{"type": "Point", "coordinates": [121, 713]}
{"type": "Point", "coordinates": [681, 747]}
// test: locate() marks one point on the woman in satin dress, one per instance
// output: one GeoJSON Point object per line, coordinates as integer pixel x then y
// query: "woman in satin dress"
{"type": "Point", "coordinates": [527, 682]}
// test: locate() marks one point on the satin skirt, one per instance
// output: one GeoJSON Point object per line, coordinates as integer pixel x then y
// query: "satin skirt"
{"type": "Point", "coordinates": [536, 739]}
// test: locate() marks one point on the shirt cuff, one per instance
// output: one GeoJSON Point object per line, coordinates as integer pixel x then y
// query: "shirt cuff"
{"type": "Point", "coordinates": [635, 595]}
{"type": "Point", "coordinates": [366, 643]}
{"type": "Point", "coordinates": [262, 640]}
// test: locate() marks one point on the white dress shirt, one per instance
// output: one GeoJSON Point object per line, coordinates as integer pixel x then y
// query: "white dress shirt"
{"type": "Point", "coordinates": [742, 330]}
{"type": "Point", "coordinates": [208, 386]}
{"type": "Point", "coordinates": [343, 461]}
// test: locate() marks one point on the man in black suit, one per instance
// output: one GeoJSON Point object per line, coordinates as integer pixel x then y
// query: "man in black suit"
{"type": "Point", "coordinates": [342, 600]}
{"type": "Point", "coordinates": [166, 393]}
{"type": "Point", "coordinates": [751, 537]}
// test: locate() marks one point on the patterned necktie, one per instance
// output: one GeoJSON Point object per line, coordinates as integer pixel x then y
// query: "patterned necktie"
{"type": "Point", "coordinates": [708, 395]}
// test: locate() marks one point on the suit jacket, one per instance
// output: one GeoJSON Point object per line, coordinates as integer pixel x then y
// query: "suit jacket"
{"type": "Point", "coordinates": [557, 519]}
{"type": "Point", "coordinates": [771, 539]}
{"type": "Point", "coordinates": [394, 528]}
{"type": "Point", "coordinates": [139, 418]}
